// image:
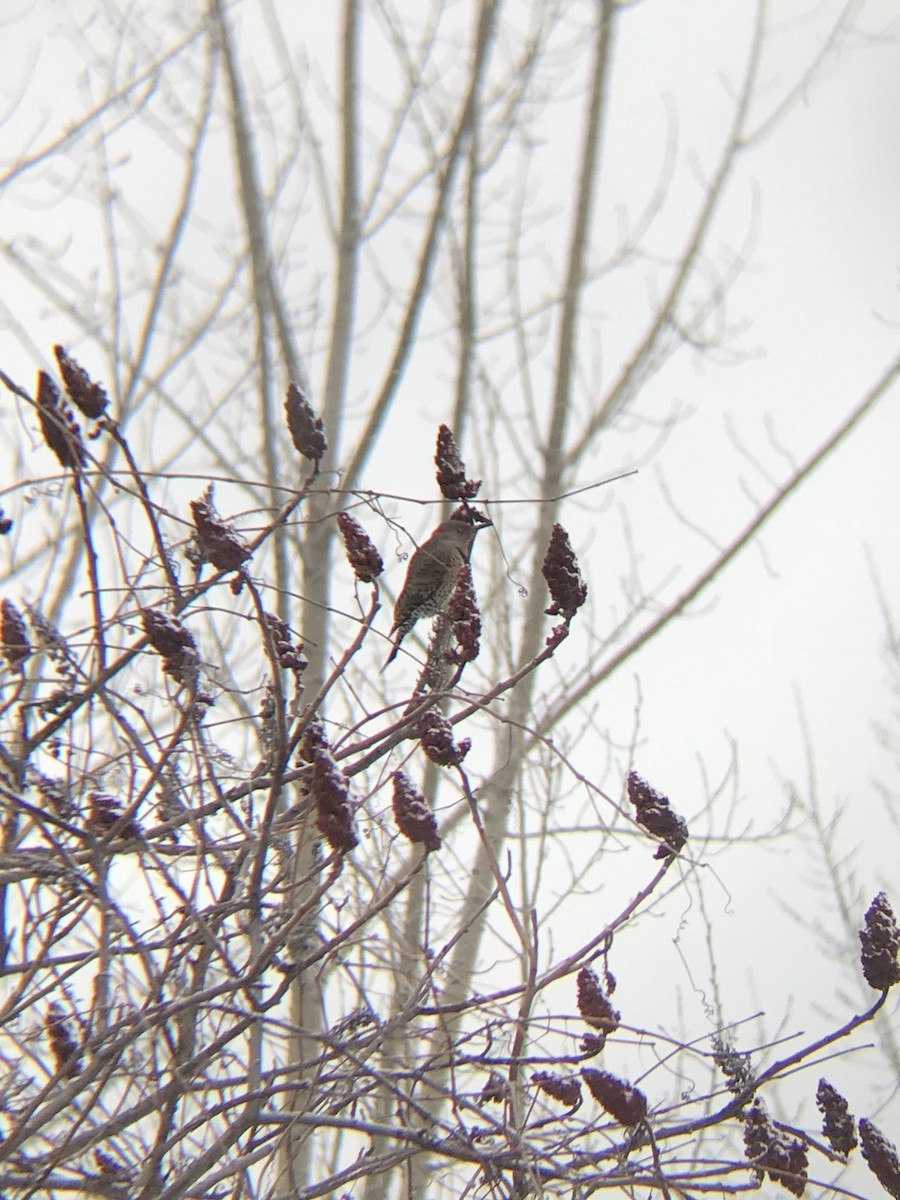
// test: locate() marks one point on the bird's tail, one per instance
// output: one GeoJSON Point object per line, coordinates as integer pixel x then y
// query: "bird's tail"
{"type": "Point", "coordinates": [393, 654]}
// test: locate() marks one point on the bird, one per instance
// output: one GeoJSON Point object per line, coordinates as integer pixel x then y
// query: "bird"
{"type": "Point", "coordinates": [432, 575]}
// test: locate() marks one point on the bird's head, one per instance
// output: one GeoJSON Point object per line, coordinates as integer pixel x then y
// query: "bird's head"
{"type": "Point", "coordinates": [469, 518]}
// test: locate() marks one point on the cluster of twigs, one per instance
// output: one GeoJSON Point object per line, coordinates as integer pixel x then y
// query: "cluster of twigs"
{"type": "Point", "coordinates": [155, 930]}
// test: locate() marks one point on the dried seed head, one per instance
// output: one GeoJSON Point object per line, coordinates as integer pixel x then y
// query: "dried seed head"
{"type": "Point", "coordinates": [218, 543]}
{"type": "Point", "coordinates": [758, 1131]}
{"type": "Point", "coordinates": [495, 1090]}
{"type": "Point", "coordinates": [784, 1159]}
{"type": "Point", "coordinates": [314, 742]}
{"type": "Point", "coordinates": [334, 812]}
{"type": "Point", "coordinates": [652, 810]}
{"type": "Point", "coordinates": [105, 814]}
{"type": "Point", "coordinates": [591, 1044]}
{"type": "Point", "coordinates": [361, 554]}
{"type": "Point", "coordinates": [288, 651]}
{"type": "Point", "coordinates": [463, 612]}
{"type": "Point", "coordinates": [56, 793]}
{"type": "Point", "coordinates": [451, 470]}
{"type": "Point", "coordinates": [881, 1157]}
{"type": "Point", "coordinates": [837, 1120]}
{"type": "Point", "coordinates": [330, 790]}
{"type": "Point", "coordinates": [734, 1065]}
{"type": "Point", "coordinates": [306, 429]}
{"type": "Point", "coordinates": [627, 1104]}
{"type": "Point", "coordinates": [880, 944]}
{"type": "Point", "coordinates": [109, 1167]}
{"type": "Point", "coordinates": [169, 638]}
{"type": "Point", "coordinates": [564, 1088]}
{"type": "Point", "coordinates": [568, 591]}
{"type": "Point", "coordinates": [63, 1046]}
{"type": "Point", "coordinates": [14, 644]}
{"type": "Point", "coordinates": [414, 818]}
{"type": "Point", "coordinates": [88, 397]}
{"type": "Point", "coordinates": [436, 733]}
{"type": "Point", "coordinates": [58, 425]}
{"type": "Point", "coordinates": [593, 1005]}
{"type": "Point", "coordinates": [793, 1175]}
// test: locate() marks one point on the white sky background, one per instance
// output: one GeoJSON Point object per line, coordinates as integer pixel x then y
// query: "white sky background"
{"type": "Point", "coordinates": [798, 619]}
{"type": "Point", "coordinates": [817, 313]}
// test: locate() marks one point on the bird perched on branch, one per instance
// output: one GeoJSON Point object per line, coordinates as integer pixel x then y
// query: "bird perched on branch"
{"type": "Point", "coordinates": [433, 573]}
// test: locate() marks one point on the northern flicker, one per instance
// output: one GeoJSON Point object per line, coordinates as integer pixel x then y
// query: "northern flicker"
{"type": "Point", "coordinates": [432, 576]}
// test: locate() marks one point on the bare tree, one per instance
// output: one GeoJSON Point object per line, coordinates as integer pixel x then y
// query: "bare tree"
{"type": "Point", "coordinates": [276, 922]}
